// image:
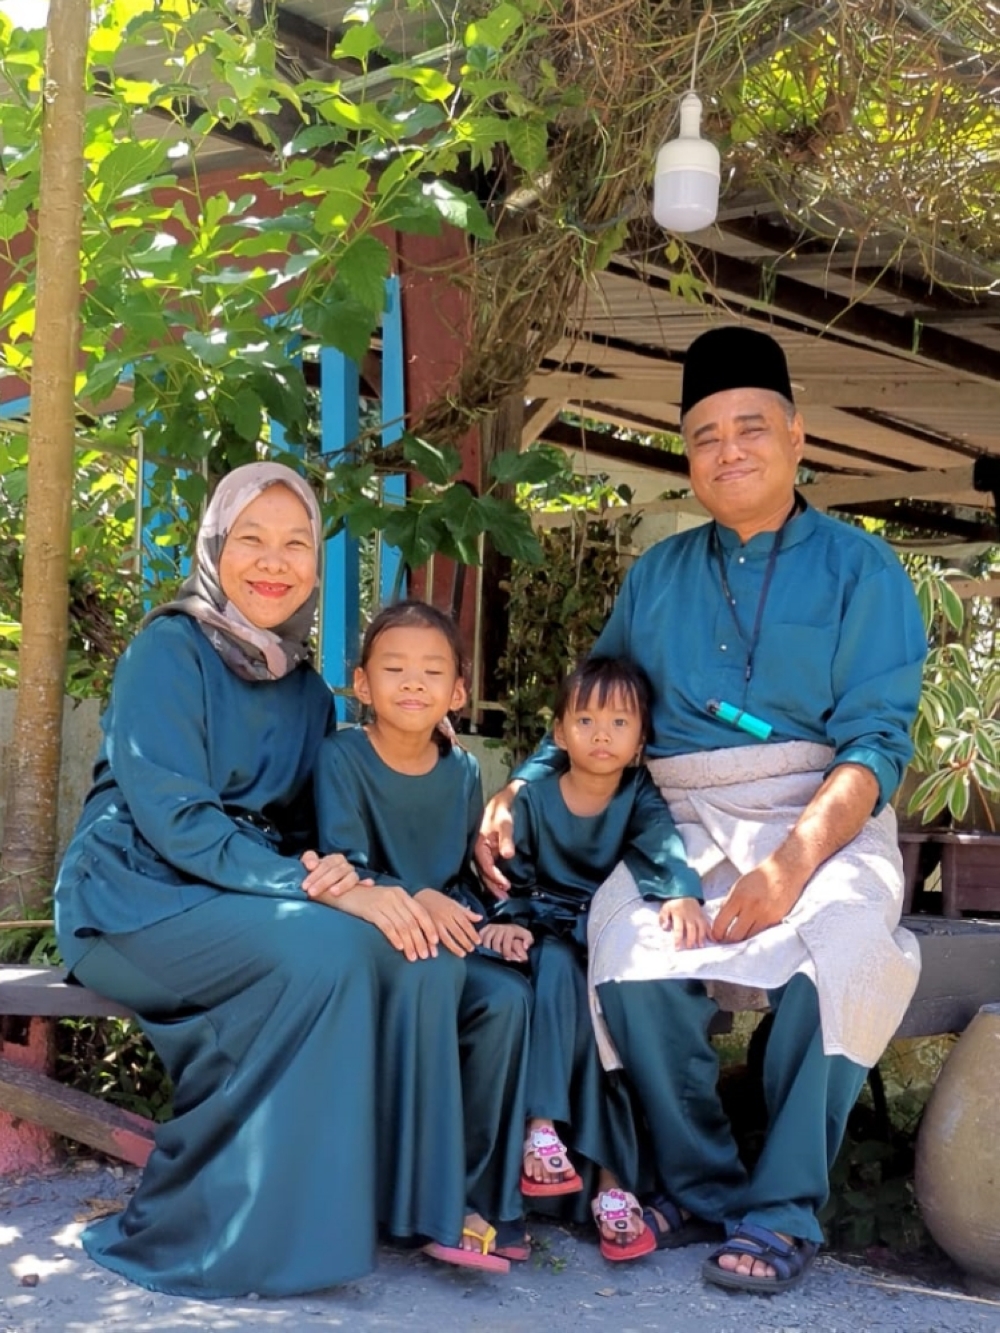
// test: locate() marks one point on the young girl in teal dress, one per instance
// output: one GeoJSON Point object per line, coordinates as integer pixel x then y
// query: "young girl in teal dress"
{"type": "Point", "coordinates": [403, 805]}
{"type": "Point", "coordinates": [570, 830]}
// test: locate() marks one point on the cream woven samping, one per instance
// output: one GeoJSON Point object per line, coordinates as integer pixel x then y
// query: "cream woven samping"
{"type": "Point", "coordinates": [733, 808]}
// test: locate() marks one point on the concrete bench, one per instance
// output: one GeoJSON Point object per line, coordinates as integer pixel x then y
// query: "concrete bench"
{"type": "Point", "coordinates": [961, 972]}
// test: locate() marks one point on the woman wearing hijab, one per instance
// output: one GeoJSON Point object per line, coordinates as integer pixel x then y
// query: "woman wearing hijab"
{"type": "Point", "coordinates": [315, 1095]}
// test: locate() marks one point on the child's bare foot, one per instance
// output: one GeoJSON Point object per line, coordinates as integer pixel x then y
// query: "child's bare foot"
{"type": "Point", "coordinates": [620, 1225]}
{"type": "Point", "coordinates": [475, 1249]}
{"type": "Point", "coordinates": [546, 1168]}
{"type": "Point", "coordinates": [478, 1234]}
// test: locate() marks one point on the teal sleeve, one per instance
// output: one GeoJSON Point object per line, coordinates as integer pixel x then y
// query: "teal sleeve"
{"type": "Point", "coordinates": [520, 869]}
{"type": "Point", "coordinates": [547, 758]}
{"type": "Point", "coordinates": [877, 673]}
{"type": "Point", "coordinates": [654, 852]}
{"type": "Point", "coordinates": [157, 751]}
{"type": "Point", "coordinates": [340, 822]}
{"type": "Point", "coordinates": [467, 889]}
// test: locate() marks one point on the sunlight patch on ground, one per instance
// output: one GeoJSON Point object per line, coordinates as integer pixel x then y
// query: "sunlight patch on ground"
{"type": "Point", "coordinates": [69, 1235]}
{"type": "Point", "coordinates": [28, 1264]}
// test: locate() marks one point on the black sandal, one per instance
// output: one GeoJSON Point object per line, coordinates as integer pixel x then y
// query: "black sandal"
{"type": "Point", "coordinates": [791, 1260]}
{"type": "Point", "coordinates": [679, 1230]}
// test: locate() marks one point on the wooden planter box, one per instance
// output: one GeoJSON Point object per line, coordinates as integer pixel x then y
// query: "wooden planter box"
{"type": "Point", "coordinates": [970, 872]}
{"type": "Point", "coordinates": [921, 852]}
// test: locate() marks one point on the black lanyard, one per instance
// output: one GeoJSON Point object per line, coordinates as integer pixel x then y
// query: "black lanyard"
{"type": "Point", "coordinates": [716, 545]}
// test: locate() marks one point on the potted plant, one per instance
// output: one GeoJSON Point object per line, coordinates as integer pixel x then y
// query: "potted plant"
{"type": "Point", "coordinates": [956, 736]}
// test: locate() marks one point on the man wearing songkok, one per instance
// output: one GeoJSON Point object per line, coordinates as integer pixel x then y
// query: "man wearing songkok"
{"type": "Point", "coordinates": [785, 650]}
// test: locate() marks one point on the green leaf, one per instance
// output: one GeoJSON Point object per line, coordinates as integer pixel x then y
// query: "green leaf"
{"type": "Point", "coordinates": [358, 42]}
{"type": "Point", "coordinates": [12, 224]}
{"type": "Point", "coordinates": [529, 143]}
{"type": "Point", "coordinates": [495, 28]}
{"type": "Point", "coordinates": [339, 320]}
{"type": "Point", "coordinates": [462, 516]}
{"type": "Point", "coordinates": [415, 531]}
{"type": "Point", "coordinates": [532, 467]}
{"type": "Point", "coordinates": [438, 463]}
{"type": "Point", "coordinates": [212, 349]}
{"type": "Point", "coordinates": [951, 605]}
{"type": "Point", "coordinates": [461, 209]}
{"type": "Point", "coordinates": [363, 267]}
{"type": "Point", "coordinates": [127, 166]}
{"type": "Point", "coordinates": [344, 189]}
{"type": "Point", "coordinates": [243, 412]}
{"type": "Point", "coordinates": [510, 530]}
{"type": "Point", "coordinates": [431, 84]}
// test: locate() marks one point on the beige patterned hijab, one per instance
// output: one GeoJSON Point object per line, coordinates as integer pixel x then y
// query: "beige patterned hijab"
{"type": "Point", "coordinates": [252, 652]}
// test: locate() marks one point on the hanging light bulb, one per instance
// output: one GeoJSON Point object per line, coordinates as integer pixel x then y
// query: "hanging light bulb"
{"type": "Point", "coordinates": [686, 181]}
{"type": "Point", "coordinates": [686, 184]}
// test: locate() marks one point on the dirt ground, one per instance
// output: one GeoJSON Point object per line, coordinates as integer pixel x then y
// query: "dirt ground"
{"type": "Point", "coordinates": [49, 1285]}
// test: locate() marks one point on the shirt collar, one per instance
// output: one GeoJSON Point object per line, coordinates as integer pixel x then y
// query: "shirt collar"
{"type": "Point", "coordinates": [801, 526]}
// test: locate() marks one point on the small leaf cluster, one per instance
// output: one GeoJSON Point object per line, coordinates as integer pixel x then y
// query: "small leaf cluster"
{"type": "Point", "coordinates": [557, 609]}
{"type": "Point", "coordinates": [957, 732]}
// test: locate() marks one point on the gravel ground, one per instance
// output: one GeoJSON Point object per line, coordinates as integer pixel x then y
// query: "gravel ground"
{"type": "Point", "coordinates": [48, 1285]}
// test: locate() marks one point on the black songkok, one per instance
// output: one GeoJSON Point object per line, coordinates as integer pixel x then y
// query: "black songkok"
{"type": "Point", "coordinates": [733, 357]}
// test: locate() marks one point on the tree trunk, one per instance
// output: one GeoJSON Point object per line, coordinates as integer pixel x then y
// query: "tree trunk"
{"type": "Point", "coordinates": [29, 845]}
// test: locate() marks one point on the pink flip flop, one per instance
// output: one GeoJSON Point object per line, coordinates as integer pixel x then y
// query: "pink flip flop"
{"type": "Point", "coordinates": [617, 1207]}
{"type": "Point", "coordinates": [546, 1145]}
{"type": "Point", "coordinates": [482, 1258]}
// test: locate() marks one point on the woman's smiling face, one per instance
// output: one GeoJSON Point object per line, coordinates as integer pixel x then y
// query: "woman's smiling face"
{"type": "Point", "coordinates": [268, 564]}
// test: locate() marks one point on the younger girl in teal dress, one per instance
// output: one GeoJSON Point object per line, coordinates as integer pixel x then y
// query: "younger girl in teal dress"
{"type": "Point", "coordinates": [570, 830]}
{"type": "Point", "coordinates": [403, 805]}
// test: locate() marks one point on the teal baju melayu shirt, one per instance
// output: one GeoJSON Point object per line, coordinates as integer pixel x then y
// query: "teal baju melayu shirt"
{"type": "Point", "coordinates": [561, 859]}
{"type": "Point", "coordinates": [839, 656]}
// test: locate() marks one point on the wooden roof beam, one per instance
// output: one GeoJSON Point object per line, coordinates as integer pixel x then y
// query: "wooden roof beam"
{"type": "Point", "coordinates": [848, 320]}
{"type": "Point", "coordinates": [538, 417]}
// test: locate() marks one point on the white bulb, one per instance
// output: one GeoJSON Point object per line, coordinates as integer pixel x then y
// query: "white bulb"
{"type": "Point", "coordinates": [686, 183]}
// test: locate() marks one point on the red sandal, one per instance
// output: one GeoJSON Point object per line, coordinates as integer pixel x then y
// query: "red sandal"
{"type": "Point", "coordinates": [546, 1145]}
{"type": "Point", "coordinates": [620, 1210]}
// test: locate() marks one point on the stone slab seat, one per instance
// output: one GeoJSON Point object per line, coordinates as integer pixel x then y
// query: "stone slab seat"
{"type": "Point", "coordinates": [961, 972]}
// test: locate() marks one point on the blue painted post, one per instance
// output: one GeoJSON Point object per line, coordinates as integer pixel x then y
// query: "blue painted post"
{"type": "Point", "coordinates": [340, 609]}
{"type": "Point", "coordinates": [17, 407]}
{"type": "Point", "coordinates": [392, 581]}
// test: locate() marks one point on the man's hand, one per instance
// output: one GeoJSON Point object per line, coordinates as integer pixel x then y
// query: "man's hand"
{"type": "Point", "coordinates": [764, 896]}
{"type": "Point", "coordinates": [686, 918]}
{"type": "Point", "coordinates": [496, 838]}
{"type": "Point", "coordinates": [329, 876]}
{"type": "Point", "coordinates": [759, 899]}
{"type": "Point", "coordinates": [511, 942]}
{"type": "Point", "coordinates": [452, 920]}
{"type": "Point", "coordinates": [401, 919]}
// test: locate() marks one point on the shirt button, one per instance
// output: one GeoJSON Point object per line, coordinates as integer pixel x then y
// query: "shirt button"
{"type": "Point", "coordinates": [722, 647]}
{"type": "Point", "coordinates": [741, 560]}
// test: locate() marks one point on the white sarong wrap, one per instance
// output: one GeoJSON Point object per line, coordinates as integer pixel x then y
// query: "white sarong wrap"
{"type": "Point", "coordinates": [733, 808]}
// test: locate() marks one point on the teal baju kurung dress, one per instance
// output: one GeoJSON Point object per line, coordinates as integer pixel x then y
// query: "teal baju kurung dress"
{"type": "Point", "coordinates": [302, 1046]}
{"type": "Point", "coordinates": [838, 662]}
{"type": "Point", "coordinates": [417, 832]}
{"type": "Point", "coordinates": [560, 861]}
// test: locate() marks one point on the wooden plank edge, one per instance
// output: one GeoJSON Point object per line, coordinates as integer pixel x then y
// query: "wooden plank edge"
{"type": "Point", "coordinates": [29, 1095]}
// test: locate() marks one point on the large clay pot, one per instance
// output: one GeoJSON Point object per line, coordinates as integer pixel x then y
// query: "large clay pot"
{"type": "Point", "coordinates": [958, 1167]}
